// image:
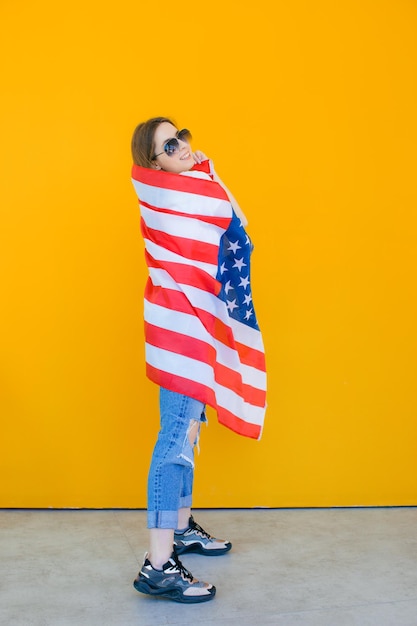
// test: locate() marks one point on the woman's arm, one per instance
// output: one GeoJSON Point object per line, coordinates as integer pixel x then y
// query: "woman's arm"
{"type": "Point", "coordinates": [199, 157]}
{"type": "Point", "coordinates": [232, 199]}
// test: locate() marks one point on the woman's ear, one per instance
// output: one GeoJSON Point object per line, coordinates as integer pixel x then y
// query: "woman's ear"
{"type": "Point", "coordinates": [155, 165]}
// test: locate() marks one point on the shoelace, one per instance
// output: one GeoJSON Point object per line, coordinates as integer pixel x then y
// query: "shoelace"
{"type": "Point", "coordinates": [181, 569]}
{"type": "Point", "coordinates": [197, 527]}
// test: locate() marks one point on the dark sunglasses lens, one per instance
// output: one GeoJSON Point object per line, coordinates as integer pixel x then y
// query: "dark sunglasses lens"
{"type": "Point", "coordinates": [171, 146]}
{"type": "Point", "coordinates": [184, 135]}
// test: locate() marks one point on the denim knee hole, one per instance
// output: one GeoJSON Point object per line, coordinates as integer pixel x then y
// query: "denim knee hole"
{"type": "Point", "coordinates": [191, 440]}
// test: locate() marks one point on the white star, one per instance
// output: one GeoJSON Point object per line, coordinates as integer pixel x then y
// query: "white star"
{"type": "Point", "coordinates": [248, 299]}
{"type": "Point", "coordinates": [231, 305]}
{"type": "Point", "coordinates": [247, 240]}
{"type": "Point", "coordinates": [228, 287]}
{"type": "Point", "coordinates": [234, 246]}
{"type": "Point", "coordinates": [239, 263]}
{"type": "Point", "coordinates": [244, 282]}
{"type": "Point", "coordinates": [223, 268]}
{"type": "Point", "coordinates": [248, 314]}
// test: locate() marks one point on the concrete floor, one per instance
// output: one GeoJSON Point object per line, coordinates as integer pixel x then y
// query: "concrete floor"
{"type": "Point", "coordinates": [309, 567]}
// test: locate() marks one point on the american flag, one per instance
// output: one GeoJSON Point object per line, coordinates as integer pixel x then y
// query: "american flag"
{"type": "Point", "coordinates": [202, 337]}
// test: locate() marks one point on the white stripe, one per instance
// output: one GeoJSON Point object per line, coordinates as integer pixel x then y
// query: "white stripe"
{"type": "Point", "coordinates": [175, 363]}
{"type": "Point", "coordinates": [253, 377]}
{"type": "Point", "coordinates": [180, 226]}
{"type": "Point", "coordinates": [175, 321]}
{"type": "Point", "coordinates": [197, 174]}
{"type": "Point", "coordinates": [189, 325]}
{"type": "Point", "coordinates": [247, 335]}
{"type": "Point", "coordinates": [203, 374]}
{"type": "Point", "coordinates": [162, 254]}
{"type": "Point", "coordinates": [161, 278]}
{"type": "Point", "coordinates": [182, 201]}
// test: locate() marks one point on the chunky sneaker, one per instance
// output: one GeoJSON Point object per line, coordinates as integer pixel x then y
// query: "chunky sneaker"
{"type": "Point", "coordinates": [174, 581]}
{"type": "Point", "coordinates": [196, 539]}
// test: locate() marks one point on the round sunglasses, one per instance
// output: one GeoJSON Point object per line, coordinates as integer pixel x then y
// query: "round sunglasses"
{"type": "Point", "coordinates": [172, 146]}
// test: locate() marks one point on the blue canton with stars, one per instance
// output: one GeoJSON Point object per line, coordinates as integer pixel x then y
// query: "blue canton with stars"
{"type": "Point", "coordinates": [234, 273]}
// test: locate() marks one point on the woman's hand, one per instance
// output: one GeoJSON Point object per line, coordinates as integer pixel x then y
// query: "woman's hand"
{"type": "Point", "coordinates": [199, 156]}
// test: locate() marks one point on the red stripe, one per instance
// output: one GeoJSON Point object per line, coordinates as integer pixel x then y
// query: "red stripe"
{"type": "Point", "coordinates": [180, 344]}
{"type": "Point", "coordinates": [186, 274]}
{"type": "Point", "coordinates": [167, 180]}
{"type": "Point", "coordinates": [254, 396]}
{"type": "Point", "coordinates": [229, 378]}
{"type": "Point", "coordinates": [169, 298]}
{"type": "Point", "coordinates": [204, 166]}
{"type": "Point", "coordinates": [188, 248]}
{"type": "Point", "coordinates": [251, 356]}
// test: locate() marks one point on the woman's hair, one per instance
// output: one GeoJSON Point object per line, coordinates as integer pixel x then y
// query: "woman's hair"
{"type": "Point", "coordinates": [143, 149]}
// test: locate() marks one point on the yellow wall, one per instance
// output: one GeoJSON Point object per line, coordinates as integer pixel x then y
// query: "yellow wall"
{"type": "Point", "coordinates": [310, 115]}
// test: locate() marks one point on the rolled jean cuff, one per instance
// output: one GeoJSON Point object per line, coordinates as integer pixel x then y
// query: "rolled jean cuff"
{"type": "Point", "coordinates": [163, 519]}
{"type": "Point", "coordinates": [185, 502]}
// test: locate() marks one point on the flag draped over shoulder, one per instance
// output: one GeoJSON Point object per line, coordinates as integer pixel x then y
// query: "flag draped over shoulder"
{"type": "Point", "coordinates": [201, 334]}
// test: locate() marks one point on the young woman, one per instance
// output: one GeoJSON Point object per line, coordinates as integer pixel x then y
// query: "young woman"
{"type": "Point", "coordinates": [186, 212]}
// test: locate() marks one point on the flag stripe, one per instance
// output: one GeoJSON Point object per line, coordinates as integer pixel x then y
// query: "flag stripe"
{"type": "Point", "coordinates": [190, 368]}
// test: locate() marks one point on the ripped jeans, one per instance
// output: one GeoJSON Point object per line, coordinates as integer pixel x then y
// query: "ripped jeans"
{"type": "Point", "coordinates": [170, 480]}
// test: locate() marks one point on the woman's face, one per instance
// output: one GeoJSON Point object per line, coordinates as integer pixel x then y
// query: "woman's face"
{"type": "Point", "coordinates": [180, 161]}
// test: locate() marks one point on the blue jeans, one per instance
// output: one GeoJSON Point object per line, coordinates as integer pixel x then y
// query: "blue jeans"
{"type": "Point", "coordinates": [170, 480]}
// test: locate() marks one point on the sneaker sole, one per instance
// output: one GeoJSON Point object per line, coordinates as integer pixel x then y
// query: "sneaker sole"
{"type": "Point", "coordinates": [197, 548]}
{"type": "Point", "coordinates": [172, 594]}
